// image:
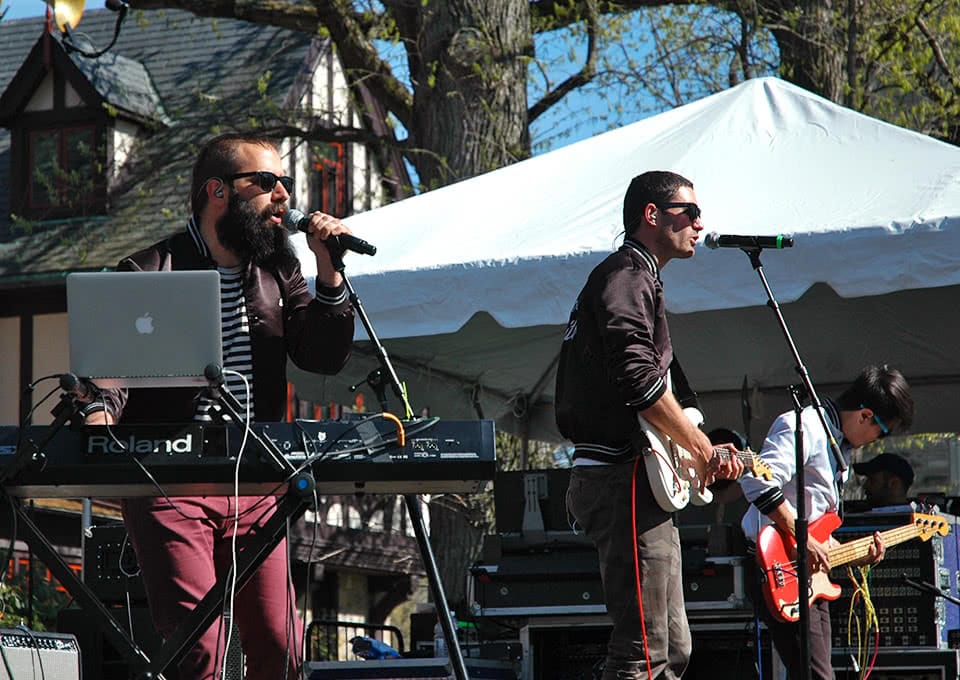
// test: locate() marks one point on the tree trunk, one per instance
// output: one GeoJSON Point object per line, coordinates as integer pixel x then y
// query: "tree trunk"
{"type": "Point", "coordinates": [456, 539]}
{"type": "Point", "coordinates": [812, 46]}
{"type": "Point", "coordinates": [470, 86]}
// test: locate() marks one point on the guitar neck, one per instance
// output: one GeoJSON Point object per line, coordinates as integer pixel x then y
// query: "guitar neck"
{"type": "Point", "coordinates": [745, 457]}
{"type": "Point", "coordinates": [859, 548]}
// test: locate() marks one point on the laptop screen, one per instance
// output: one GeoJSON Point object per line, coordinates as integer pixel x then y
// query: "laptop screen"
{"type": "Point", "coordinates": [144, 329]}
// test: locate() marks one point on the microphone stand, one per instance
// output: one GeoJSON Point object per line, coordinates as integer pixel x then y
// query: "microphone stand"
{"type": "Point", "coordinates": [388, 375]}
{"type": "Point", "coordinates": [801, 523]}
{"type": "Point", "coordinates": [800, 535]}
{"type": "Point", "coordinates": [30, 453]}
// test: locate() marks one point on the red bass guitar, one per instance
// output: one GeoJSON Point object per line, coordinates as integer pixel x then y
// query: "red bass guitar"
{"type": "Point", "coordinates": [776, 550]}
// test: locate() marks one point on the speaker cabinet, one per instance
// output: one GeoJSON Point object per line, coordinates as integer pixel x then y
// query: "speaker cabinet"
{"type": "Point", "coordinates": [900, 664]}
{"type": "Point", "coordinates": [28, 654]}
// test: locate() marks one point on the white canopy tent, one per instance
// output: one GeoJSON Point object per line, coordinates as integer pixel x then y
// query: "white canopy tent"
{"type": "Point", "coordinates": [472, 283]}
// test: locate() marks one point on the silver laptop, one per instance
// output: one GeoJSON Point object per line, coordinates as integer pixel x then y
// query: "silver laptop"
{"type": "Point", "coordinates": [144, 329]}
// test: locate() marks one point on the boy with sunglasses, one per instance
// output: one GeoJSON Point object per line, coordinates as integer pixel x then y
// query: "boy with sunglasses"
{"type": "Point", "coordinates": [268, 314]}
{"type": "Point", "coordinates": [877, 403]}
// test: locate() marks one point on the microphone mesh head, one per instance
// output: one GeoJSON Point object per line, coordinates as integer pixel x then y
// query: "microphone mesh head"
{"type": "Point", "coordinates": [291, 219]}
{"type": "Point", "coordinates": [712, 240]}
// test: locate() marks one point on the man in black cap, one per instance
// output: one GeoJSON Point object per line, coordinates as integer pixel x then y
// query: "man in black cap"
{"type": "Point", "coordinates": [887, 479]}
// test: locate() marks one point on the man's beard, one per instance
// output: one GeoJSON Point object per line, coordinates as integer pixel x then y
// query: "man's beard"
{"type": "Point", "coordinates": [249, 235]}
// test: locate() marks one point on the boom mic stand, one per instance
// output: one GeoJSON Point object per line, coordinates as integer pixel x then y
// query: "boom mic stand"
{"type": "Point", "coordinates": [388, 375]}
{"type": "Point", "coordinates": [925, 587]}
{"type": "Point", "coordinates": [800, 529]}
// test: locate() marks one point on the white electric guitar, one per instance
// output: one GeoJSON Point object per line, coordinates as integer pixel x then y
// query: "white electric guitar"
{"type": "Point", "coordinates": [672, 471]}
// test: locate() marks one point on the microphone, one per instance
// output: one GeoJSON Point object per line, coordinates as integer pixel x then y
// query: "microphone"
{"type": "Point", "coordinates": [716, 240]}
{"type": "Point", "coordinates": [295, 220]}
{"type": "Point", "coordinates": [82, 390]}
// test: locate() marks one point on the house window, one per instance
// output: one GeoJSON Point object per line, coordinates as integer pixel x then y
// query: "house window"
{"type": "Point", "coordinates": [329, 178]}
{"type": "Point", "coordinates": [62, 171]}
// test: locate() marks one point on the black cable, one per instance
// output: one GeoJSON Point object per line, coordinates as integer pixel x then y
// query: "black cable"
{"type": "Point", "coordinates": [49, 394]}
{"type": "Point", "coordinates": [162, 492]}
{"type": "Point", "coordinates": [71, 45]}
{"type": "Point", "coordinates": [290, 607]}
{"type": "Point", "coordinates": [309, 575]}
{"type": "Point", "coordinates": [36, 645]}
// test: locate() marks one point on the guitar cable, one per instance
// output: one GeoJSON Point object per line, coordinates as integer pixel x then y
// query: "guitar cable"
{"type": "Point", "coordinates": [636, 563]}
{"type": "Point", "coordinates": [870, 621]}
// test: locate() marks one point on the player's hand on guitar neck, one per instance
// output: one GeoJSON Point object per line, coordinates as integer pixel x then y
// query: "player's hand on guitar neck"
{"type": "Point", "coordinates": [874, 554]}
{"type": "Point", "coordinates": [713, 465]}
{"type": "Point", "coordinates": [726, 465]}
{"type": "Point", "coordinates": [818, 554]}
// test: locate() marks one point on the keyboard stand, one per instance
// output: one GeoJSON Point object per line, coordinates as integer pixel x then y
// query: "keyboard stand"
{"type": "Point", "coordinates": [42, 548]}
{"type": "Point", "coordinates": [290, 507]}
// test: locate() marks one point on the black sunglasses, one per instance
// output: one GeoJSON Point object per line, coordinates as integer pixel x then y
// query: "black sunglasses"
{"type": "Point", "coordinates": [266, 180]}
{"type": "Point", "coordinates": [692, 210]}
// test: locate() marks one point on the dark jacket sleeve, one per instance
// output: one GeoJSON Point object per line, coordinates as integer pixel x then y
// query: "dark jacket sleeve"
{"type": "Point", "coordinates": [318, 329]}
{"type": "Point", "coordinates": [628, 313]}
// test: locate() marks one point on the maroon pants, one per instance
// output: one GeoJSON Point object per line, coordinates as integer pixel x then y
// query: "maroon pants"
{"type": "Point", "coordinates": [181, 559]}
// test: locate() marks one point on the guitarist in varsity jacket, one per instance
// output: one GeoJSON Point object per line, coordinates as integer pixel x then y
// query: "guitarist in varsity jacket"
{"type": "Point", "coordinates": [877, 403]}
{"type": "Point", "coordinates": [614, 365]}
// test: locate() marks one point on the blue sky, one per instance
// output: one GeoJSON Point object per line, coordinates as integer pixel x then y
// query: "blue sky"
{"type": "Point", "coordinates": [19, 9]}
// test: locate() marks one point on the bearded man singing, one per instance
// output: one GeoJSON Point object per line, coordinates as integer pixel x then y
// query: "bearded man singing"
{"type": "Point", "coordinates": [183, 544]}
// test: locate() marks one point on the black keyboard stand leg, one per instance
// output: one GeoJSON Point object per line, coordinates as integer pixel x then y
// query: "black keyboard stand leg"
{"type": "Point", "coordinates": [436, 587]}
{"type": "Point", "coordinates": [290, 507]}
{"type": "Point", "coordinates": [88, 602]}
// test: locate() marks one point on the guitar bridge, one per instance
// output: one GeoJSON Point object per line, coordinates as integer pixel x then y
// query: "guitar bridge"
{"type": "Point", "coordinates": [778, 578]}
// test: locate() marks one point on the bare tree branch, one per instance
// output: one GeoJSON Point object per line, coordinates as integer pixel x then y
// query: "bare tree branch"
{"type": "Point", "coordinates": [583, 76]}
{"type": "Point", "coordinates": [938, 53]}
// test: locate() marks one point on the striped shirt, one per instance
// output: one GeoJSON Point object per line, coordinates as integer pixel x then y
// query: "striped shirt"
{"type": "Point", "coordinates": [237, 354]}
{"type": "Point", "coordinates": [235, 327]}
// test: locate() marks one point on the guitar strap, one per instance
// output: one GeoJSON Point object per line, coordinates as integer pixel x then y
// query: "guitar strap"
{"type": "Point", "coordinates": [681, 387]}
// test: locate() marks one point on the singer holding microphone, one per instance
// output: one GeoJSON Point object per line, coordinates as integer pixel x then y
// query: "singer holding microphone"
{"type": "Point", "coordinates": [239, 197]}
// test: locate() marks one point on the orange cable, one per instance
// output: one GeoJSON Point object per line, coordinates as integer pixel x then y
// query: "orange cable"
{"type": "Point", "coordinates": [401, 436]}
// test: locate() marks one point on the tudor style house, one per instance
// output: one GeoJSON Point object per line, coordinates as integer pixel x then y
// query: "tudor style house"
{"type": "Point", "coordinates": [95, 161]}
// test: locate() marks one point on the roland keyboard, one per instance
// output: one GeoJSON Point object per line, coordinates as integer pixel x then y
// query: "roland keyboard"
{"type": "Point", "coordinates": [343, 456]}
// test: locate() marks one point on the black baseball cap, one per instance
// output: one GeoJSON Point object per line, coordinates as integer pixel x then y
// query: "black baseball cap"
{"type": "Point", "coordinates": [887, 462]}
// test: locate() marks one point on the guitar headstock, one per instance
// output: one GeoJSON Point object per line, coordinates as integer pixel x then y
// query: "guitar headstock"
{"type": "Point", "coordinates": [930, 525]}
{"type": "Point", "coordinates": [757, 466]}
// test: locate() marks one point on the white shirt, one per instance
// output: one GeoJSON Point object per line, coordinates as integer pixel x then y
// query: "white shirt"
{"type": "Point", "coordinates": [779, 453]}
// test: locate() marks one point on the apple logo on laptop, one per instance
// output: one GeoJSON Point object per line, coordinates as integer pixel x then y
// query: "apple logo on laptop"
{"type": "Point", "coordinates": [144, 324]}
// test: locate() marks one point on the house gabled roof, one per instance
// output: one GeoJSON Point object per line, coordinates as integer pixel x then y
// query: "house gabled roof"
{"type": "Point", "coordinates": [206, 76]}
{"type": "Point", "coordinates": [113, 81]}
{"type": "Point", "coordinates": [124, 84]}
